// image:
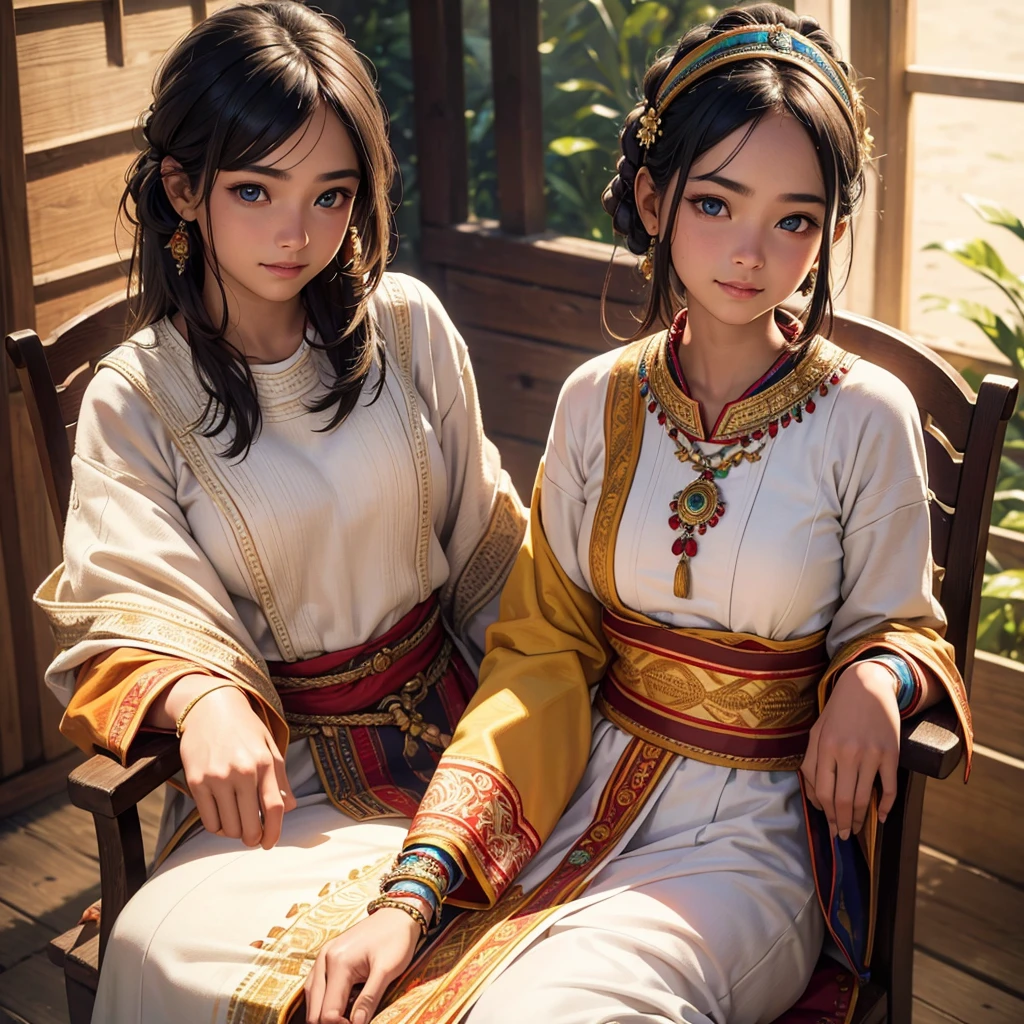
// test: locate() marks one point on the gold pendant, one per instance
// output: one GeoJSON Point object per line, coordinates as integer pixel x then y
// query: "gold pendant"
{"type": "Point", "coordinates": [681, 583]}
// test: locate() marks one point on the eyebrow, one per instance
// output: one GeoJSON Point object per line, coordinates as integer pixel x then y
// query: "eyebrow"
{"type": "Point", "coordinates": [276, 172]}
{"type": "Point", "coordinates": [745, 190]}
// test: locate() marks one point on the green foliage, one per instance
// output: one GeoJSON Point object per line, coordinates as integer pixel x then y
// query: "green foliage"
{"type": "Point", "coordinates": [1001, 627]}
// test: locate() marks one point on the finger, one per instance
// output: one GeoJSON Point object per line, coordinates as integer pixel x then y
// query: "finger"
{"type": "Point", "coordinates": [207, 807]}
{"type": "Point", "coordinates": [365, 1005]}
{"type": "Point", "coordinates": [247, 799]}
{"type": "Point", "coordinates": [340, 980]}
{"type": "Point", "coordinates": [284, 787]}
{"type": "Point", "coordinates": [314, 988]}
{"type": "Point", "coordinates": [865, 783]}
{"type": "Point", "coordinates": [273, 808]}
{"type": "Point", "coordinates": [887, 771]}
{"type": "Point", "coordinates": [227, 809]}
{"type": "Point", "coordinates": [825, 786]}
{"type": "Point", "coordinates": [846, 786]}
{"type": "Point", "coordinates": [808, 768]}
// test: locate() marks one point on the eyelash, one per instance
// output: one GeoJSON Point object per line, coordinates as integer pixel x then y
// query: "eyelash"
{"type": "Point", "coordinates": [345, 194]}
{"type": "Point", "coordinates": [696, 202]}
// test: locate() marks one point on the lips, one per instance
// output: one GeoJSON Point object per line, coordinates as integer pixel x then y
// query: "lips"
{"type": "Point", "coordinates": [286, 270]}
{"type": "Point", "coordinates": [739, 289]}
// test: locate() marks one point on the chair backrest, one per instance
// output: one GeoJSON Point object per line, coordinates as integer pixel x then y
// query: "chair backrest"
{"type": "Point", "coordinates": [963, 435]}
{"type": "Point", "coordinates": [54, 374]}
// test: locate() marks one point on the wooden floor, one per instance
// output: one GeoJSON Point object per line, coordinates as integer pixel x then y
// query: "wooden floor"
{"type": "Point", "coordinates": [969, 964]}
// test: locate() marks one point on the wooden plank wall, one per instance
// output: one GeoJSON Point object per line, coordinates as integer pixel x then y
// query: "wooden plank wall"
{"type": "Point", "coordinates": [76, 75]}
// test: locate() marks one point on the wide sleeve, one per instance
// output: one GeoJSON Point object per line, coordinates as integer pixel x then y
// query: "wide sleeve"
{"type": "Point", "coordinates": [522, 745]}
{"type": "Point", "coordinates": [136, 597]}
{"type": "Point", "coordinates": [887, 594]}
{"type": "Point", "coordinates": [483, 521]}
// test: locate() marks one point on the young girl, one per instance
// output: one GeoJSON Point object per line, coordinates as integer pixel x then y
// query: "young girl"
{"type": "Point", "coordinates": [729, 540]}
{"type": "Point", "coordinates": [282, 496]}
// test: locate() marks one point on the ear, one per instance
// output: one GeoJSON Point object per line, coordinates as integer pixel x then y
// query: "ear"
{"type": "Point", "coordinates": [648, 202]}
{"type": "Point", "coordinates": [178, 190]}
{"type": "Point", "coordinates": [840, 230]}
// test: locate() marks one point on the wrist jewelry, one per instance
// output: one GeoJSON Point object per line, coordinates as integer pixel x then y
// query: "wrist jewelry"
{"type": "Point", "coordinates": [414, 912]}
{"type": "Point", "coordinates": [906, 687]}
{"type": "Point", "coordinates": [180, 721]}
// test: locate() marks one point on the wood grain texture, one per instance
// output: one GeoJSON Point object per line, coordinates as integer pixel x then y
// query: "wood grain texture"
{"type": "Point", "coordinates": [972, 919]}
{"type": "Point", "coordinates": [979, 823]}
{"type": "Point", "coordinates": [34, 784]}
{"type": "Point", "coordinates": [61, 300]}
{"type": "Point", "coordinates": [1006, 547]}
{"type": "Point", "coordinates": [33, 991]}
{"type": "Point", "coordinates": [521, 459]}
{"type": "Point", "coordinates": [19, 936]}
{"type": "Point", "coordinates": [997, 703]}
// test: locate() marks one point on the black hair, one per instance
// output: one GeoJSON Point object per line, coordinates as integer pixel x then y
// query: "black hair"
{"type": "Point", "coordinates": [238, 85]}
{"type": "Point", "coordinates": [739, 94]}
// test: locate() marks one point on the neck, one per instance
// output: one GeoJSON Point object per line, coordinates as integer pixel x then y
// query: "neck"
{"type": "Point", "coordinates": [262, 330]}
{"type": "Point", "coordinates": [721, 360]}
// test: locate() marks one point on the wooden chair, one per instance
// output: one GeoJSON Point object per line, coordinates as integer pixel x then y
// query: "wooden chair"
{"type": "Point", "coordinates": [964, 434]}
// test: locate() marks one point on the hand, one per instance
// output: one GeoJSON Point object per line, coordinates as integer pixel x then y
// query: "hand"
{"type": "Point", "coordinates": [233, 768]}
{"type": "Point", "coordinates": [856, 738]}
{"type": "Point", "coordinates": [374, 952]}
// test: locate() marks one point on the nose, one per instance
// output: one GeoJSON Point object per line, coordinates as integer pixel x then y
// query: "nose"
{"type": "Point", "coordinates": [749, 251]}
{"type": "Point", "coordinates": [291, 233]}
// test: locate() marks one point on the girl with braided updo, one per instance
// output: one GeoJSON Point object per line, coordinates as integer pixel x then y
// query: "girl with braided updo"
{"type": "Point", "coordinates": [286, 524]}
{"type": "Point", "coordinates": [723, 607]}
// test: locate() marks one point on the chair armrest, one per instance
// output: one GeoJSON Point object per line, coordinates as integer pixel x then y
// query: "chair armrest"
{"type": "Point", "coordinates": [931, 742]}
{"type": "Point", "coordinates": [105, 787]}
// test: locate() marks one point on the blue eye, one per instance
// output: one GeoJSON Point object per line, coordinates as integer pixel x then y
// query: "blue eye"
{"type": "Point", "coordinates": [329, 200]}
{"type": "Point", "coordinates": [248, 193]}
{"type": "Point", "coordinates": [711, 207]}
{"type": "Point", "coordinates": [792, 223]}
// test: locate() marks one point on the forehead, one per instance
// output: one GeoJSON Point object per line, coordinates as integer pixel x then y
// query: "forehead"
{"type": "Point", "coordinates": [322, 143]}
{"type": "Point", "coordinates": [777, 156]}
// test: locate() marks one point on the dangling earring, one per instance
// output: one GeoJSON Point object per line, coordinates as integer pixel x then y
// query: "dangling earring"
{"type": "Point", "coordinates": [645, 263]}
{"type": "Point", "coordinates": [353, 250]}
{"type": "Point", "coordinates": [179, 246]}
{"type": "Point", "coordinates": [809, 281]}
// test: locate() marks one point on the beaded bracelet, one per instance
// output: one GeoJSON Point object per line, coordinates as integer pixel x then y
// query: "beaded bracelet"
{"type": "Point", "coordinates": [456, 876]}
{"type": "Point", "coordinates": [417, 889]}
{"type": "Point", "coordinates": [425, 864]}
{"type": "Point", "coordinates": [393, 877]}
{"type": "Point", "coordinates": [430, 910]}
{"type": "Point", "coordinates": [414, 912]}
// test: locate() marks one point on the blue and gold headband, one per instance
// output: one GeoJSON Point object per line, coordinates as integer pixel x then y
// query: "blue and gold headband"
{"type": "Point", "coordinates": [774, 43]}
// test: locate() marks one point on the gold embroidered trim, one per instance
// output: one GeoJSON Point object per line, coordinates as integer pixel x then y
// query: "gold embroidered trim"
{"type": "Point", "coordinates": [154, 627]}
{"type": "Point", "coordinates": [823, 359]}
{"type": "Point", "coordinates": [401, 323]}
{"type": "Point", "coordinates": [623, 434]}
{"type": "Point", "coordinates": [491, 560]}
{"type": "Point", "coordinates": [285, 956]}
{"type": "Point", "coordinates": [381, 661]}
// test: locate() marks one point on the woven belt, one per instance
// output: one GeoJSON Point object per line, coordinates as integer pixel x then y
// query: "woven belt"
{"type": "Point", "coordinates": [379, 662]}
{"type": "Point", "coordinates": [396, 709]}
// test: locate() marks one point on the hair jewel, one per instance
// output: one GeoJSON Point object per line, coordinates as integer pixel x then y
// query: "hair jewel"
{"type": "Point", "coordinates": [648, 127]}
{"type": "Point", "coordinates": [774, 42]}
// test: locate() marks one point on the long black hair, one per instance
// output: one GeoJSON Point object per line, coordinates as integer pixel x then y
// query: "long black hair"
{"type": "Point", "coordinates": [739, 94]}
{"type": "Point", "coordinates": [238, 85]}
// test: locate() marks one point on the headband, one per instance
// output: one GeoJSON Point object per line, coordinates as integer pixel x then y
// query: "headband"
{"type": "Point", "coordinates": [773, 43]}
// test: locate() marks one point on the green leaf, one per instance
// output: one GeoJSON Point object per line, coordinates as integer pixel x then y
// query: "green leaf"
{"type": "Point", "coordinates": [993, 213]}
{"type": "Point", "coordinates": [1010, 496]}
{"type": "Point", "coordinates": [583, 84]}
{"type": "Point", "coordinates": [1012, 521]}
{"type": "Point", "coordinates": [1009, 340]}
{"type": "Point", "coordinates": [569, 145]}
{"type": "Point", "coordinates": [977, 255]}
{"type": "Point", "coordinates": [1007, 585]}
{"type": "Point", "coordinates": [600, 110]}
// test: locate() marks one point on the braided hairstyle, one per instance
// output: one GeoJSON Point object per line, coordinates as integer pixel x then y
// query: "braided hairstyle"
{"type": "Point", "coordinates": [738, 95]}
{"type": "Point", "coordinates": [238, 85]}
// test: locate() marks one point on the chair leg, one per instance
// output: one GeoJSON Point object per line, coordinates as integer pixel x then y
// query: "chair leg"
{"type": "Point", "coordinates": [80, 1001]}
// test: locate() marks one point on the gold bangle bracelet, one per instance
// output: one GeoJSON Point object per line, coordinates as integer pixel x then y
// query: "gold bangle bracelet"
{"type": "Point", "coordinates": [180, 721]}
{"type": "Point", "coordinates": [414, 912]}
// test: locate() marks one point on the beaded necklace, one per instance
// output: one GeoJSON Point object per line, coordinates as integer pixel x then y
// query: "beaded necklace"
{"type": "Point", "coordinates": [699, 506]}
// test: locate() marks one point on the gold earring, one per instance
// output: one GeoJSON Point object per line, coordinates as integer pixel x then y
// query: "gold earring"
{"type": "Point", "coordinates": [645, 263]}
{"type": "Point", "coordinates": [809, 281]}
{"type": "Point", "coordinates": [354, 245]}
{"type": "Point", "coordinates": [179, 246]}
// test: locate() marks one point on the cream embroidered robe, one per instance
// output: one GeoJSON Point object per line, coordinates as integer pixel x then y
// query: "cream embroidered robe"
{"type": "Point", "coordinates": [706, 891]}
{"type": "Point", "coordinates": [315, 542]}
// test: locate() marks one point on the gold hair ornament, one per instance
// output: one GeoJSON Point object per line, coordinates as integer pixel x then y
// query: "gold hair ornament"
{"type": "Point", "coordinates": [775, 42]}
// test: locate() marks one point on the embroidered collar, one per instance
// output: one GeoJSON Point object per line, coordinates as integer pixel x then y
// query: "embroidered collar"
{"type": "Point", "coordinates": [771, 399]}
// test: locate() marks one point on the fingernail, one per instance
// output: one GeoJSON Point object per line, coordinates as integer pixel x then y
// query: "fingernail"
{"type": "Point", "coordinates": [881, 816]}
{"type": "Point", "coordinates": [359, 1017]}
{"type": "Point", "coordinates": [845, 834]}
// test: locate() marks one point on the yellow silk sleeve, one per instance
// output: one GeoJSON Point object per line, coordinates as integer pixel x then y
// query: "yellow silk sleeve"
{"type": "Point", "coordinates": [924, 650]}
{"type": "Point", "coordinates": [522, 745]}
{"type": "Point", "coordinates": [114, 691]}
